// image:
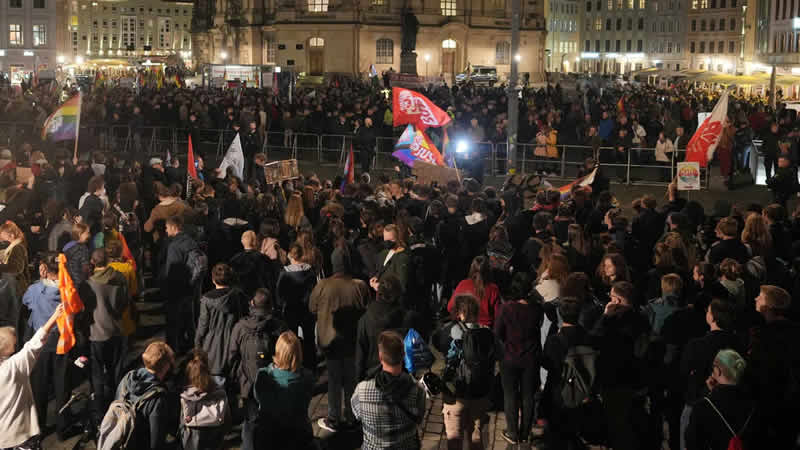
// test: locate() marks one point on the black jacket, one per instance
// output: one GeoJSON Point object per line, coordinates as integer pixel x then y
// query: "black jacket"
{"type": "Point", "coordinates": [706, 429]}
{"type": "Point", "coordinates": [555, 350]}
{"type": "Point", "coordinates": [174, 272]}
{"type": "Point", "coordinates": [619, 335]}
{"type": "Point", "coordinates": [730, 248]}
{"type": "Point", "coordinates": [698, 358]}
{"type": "Point", "coordinates": [293, 290]}
{"type": "Point", "coordinates": [253, 269]}
{"type": "Point", "coordinates": [365, 139]}
{"type": "Point", "coordinates": [380, 316]}
{"type": "Point", "coordinates": [92, 212]}
{"type": "Point", "coordinates": [220, 309]}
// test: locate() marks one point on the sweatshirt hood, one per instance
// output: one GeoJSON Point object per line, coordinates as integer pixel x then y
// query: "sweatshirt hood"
{"type": "Point", "coordinates": [393, 387]}
{"type": "Point", "coordinates": [193, 394]}
{"type": "Point", "coordinates": [221, 298]}
{"type": "Point", "coordinates": [140, 381]}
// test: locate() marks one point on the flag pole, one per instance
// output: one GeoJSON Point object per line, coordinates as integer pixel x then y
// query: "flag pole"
{"type": "Point", "coordinates": [77, 130]}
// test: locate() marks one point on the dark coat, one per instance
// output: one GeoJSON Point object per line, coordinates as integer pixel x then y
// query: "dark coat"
{"type": "Point", "coordinates": [220, 309]}
{"type": "Point", "coordinates": [244, 366]}
{"type": "Point", "coordinates": [706, 430]}
{"type": "Point", "coordinates": [338, 302]}
{"type": "Point", "coordinates": [293, 290]}
{"type": "Point", "coordinates": [729, 248]}
{"type": "Point", "coordinates": [78, 261]}
{"type": "Point", "coordinates": [92, 212]}
{"type": "Point", "coordinates": [174, 273]}
{"type": "Point", "coordinates": [253, 269]}
{"type": "Point", "coordinates": [698, 358]}
{"type": "Point", "coordinates": [153, 418]}
{"type": "Point", "coordinates": [618, 335]}
{"type": "Point", "coordinates": [380, 316]}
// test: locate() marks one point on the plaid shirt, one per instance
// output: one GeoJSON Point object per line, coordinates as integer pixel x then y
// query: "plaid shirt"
{"type": "Point", "coordinates": [385, 425]}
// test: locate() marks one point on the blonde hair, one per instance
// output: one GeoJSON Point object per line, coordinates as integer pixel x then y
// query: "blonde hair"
{"type": "Point", "coordinates": [671, 283]}
{"type": "Point", "coordinates": [12, 229]}
{"type": "Point", "coordinates": [294, 210]}
{"type": "Point", "coordinates": [288, 352]}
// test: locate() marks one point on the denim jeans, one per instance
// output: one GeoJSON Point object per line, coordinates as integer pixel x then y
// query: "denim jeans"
{"type": "Point", "coordinates": [249, 424]}
{"type": "Point", "coordinates": [341, 375]}
{"type": "Point", "coordinates": [687, 412]}
{"type": "Point", "coordinates": [106, 363]}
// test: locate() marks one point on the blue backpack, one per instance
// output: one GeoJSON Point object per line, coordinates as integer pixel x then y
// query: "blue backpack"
{"type": "Point", "coordinates": [418, 355]}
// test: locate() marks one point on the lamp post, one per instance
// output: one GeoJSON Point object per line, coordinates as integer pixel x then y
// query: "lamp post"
{"type": "Point", "coordinates": [427, 60]}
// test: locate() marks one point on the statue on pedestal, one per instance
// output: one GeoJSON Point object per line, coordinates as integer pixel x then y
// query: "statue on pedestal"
{"type": "Point", "coordinates": [408, 58]}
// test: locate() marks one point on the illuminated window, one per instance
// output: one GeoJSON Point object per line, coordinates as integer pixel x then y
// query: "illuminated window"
{"type": "Point", "coordinates": [642, 4]}
{"type": "Point", "coordinates": [316, 42]}
{"type": "Point", "coordinates": [39, 35]}
{"type": "Point", "coordinates": [272, 48]}
{"type": "Point", "coordinates": [15, 34]}
{"type": "Point", "coordinates": [598, 24]}
{"type": "Point", "coordinates": [704, 4]}
{"type": "Point", "coordinates": [610, 5]}
{"type": "Point", "coordinates": [318, 5]}
{"type": "Point", "coordinates": [384, 51]}
{"type": "Point", "coordinates": [502, 53]}
{"type": "Point", "coordinates": [630, 4]}
{"type": "Point", "coordinates": [448, 43]}
{"type": "Point", "coordinates": [620, 4]}
{"type": "Point", "coordinates": [448, 7]}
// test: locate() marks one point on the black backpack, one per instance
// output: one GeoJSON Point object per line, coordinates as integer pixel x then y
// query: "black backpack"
{"type": "Point", "coordinates": [578, 376]}
{"type": "Point", "coordinates": [258, 347]}
{"type": "Point", "coordinates": [475, 372]}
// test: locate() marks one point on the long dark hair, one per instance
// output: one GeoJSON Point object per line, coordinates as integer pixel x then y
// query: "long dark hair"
{"type": "Point", "coordinates": [479, 274]}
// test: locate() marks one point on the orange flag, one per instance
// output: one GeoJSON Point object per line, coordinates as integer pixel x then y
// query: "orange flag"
{"type": "Point", "coordinates": [72, 305]}
{"type": "Point", "coordinates": [126, 252]}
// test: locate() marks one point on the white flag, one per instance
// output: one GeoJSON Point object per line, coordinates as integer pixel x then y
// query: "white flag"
{"type": "Point", "coordinates": [234, 157]}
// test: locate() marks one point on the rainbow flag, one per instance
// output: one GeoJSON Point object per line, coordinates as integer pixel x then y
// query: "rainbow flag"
{"type": "Point", "coordinates": [415, 145]}
{"type": "Point", "coordinates": [579, 183]}
{"type": "Point", "coordinates": [63, 124]}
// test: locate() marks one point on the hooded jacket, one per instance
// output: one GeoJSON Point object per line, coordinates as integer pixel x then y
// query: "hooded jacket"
{"type": "Point", "coordinates": [259, 323]}
{"type": "Point", "coordinates": [203, 438]}
{"type": "Point", "coordinates": [174, 272]}
{"type": "Point", "coordinates": [253, 270]}
{"type": "Point", "coordinates": [293, 290]}
{"type": "Point", "coordinates": [658, 310]}
{"type": "Point", "coordinates": [105, 297]}
{"type": "Point", "coordinates": [220, 309]}
{"type": "Point", "coordinates": [152, 417]}
{"type": "Point", "coordinates": [387, 424]}
{"type": "Point", "coordinates": [380, 316]}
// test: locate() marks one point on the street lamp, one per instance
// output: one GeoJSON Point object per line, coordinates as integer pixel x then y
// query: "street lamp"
{"type": "Point", "coordinates": [427, 60]}
{"type": "Point", "coordinates": [79, 60]}
{"type": "Point", "coordinates": [517, 58]}
{"type": "Point", "coordinates": [223, 55]}
{"type": "Point", "coordinates": [61, 59]}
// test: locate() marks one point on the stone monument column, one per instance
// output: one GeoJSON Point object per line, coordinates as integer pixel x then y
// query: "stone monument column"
{"type": "Point", "coordinates": [408, 57]}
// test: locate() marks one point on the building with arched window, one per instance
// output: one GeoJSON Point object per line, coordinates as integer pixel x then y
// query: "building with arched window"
{"type": "Point", "coordinates": [720, 35]}
{"type": "Point", "coordinates": [346, 37]}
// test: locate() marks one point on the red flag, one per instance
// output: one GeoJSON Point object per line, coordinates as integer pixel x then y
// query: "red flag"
{"type": "Point", "coordinates": [621, 105]}
{"type": "Point", "coordinates": [414, 108]}
{"type": "Point", "coordinates": [72, 305]}
{"type": "Point", "coordinates": [190, 168]}
{"type": "Point", "coordinates": [701, 146]}
{"type": "Point", "coordinates": [349, 170]}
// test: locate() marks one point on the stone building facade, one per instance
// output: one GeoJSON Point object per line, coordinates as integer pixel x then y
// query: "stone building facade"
{"type": "Point", "coordinates": [336, 36]}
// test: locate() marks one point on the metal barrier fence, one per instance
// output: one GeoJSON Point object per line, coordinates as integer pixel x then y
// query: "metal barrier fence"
{"type": "Point", "coordinates": [637, 166]}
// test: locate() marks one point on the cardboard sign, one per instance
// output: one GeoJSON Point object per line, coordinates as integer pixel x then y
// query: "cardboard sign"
{"type": "Point", "coordinates": [429, 173]}
{"type": "Point", "coordinates": [278, 171]}
{"type": "Point", "coordinates": [688, 176]}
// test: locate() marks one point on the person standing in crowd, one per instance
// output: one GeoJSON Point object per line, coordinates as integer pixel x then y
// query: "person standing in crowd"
{"type": "Point", "coordinates": [365, 138]}
{"type": "Point", "coordinates": [220, 309]}
{"type": "Point", "coordinates": [174, 279]}
{"type": "Point", "coordinates": [18, 415]}
{"type": "Point", "coordinates": [204, 409]}
{"type": "Point", "coordinates": [338, 302]}
{"type": "Point", "coordinates": [391, 405]}
{"type": "Point", "coordinates": [283, 391]}
{"type": "Point", "coordinates": [293, 292]}
{"type": "Point", "coordinates": [147, 385]}
{"type": "Point", "coordinates": [14, 271]}
{"type": "Point", "coordinates": [478, 284]}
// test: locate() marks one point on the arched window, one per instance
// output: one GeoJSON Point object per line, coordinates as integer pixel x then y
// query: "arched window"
{"type": "Point", "coordinates": [502, 53]}
{"type": "Point", "coordinates": [316, 42]}
{"type": "Point", "coordinates": [448, 43]}
{"type": "Point", "coordinates": [318, 5]}
{"type": "Point", "coordinates": [384, 51]}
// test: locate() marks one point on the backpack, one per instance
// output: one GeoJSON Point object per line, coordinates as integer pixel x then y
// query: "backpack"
{"type": "Point", "coordinates": [578, 376]}
{"type": "Point", "coordinates": [441, 336]}
{"type": "Point", "coordinates": [119, 422]}
{"type": "Point", "coordinates": [257, 350]}
{"type": "Point", "coordinates": [197, 262]}
{"type": "Point", "coordinates": [499, 259]}
{"type": "Point", "coordinates": [209, 411]}
{"type": "Point", "coordinates": [735, 443]}
{"type": "Point", "coordinates": [417, 354]}
{"type": "Point", "coordinates": [475, 371]}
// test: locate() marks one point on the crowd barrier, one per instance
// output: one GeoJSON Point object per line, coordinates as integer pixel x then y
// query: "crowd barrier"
{"type": "Point", "coordinates": [638, 166]}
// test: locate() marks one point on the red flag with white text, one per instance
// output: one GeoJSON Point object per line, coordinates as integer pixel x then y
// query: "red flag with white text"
{"type": "Point", "coordinates": [702, 145]}
{"type": "Point", "coordinates": [410, 107]}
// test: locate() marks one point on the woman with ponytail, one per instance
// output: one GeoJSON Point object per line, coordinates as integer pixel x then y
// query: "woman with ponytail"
{"type": "Point", "coordinates": [485, 291]}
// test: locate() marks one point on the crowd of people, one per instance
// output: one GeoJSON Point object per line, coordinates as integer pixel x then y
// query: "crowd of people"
{"type": "Point", "coordinates": [581, 319]}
